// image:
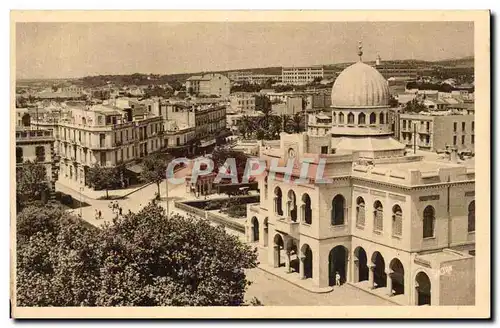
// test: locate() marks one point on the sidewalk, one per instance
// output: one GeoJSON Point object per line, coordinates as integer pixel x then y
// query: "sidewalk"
{"type": "Point", "coordinates": [96, 194]}
{"type": "Point", "coordinates": [292, 278]}
{"type": "Point", "coordinates": [379, 292]}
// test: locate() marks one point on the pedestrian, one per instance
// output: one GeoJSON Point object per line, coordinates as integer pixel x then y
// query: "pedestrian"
{"type": "Point", "coordinates": [120, 209]}
{"type": "Point", "coordinates": [100, 214]}
{"type": "Point", "coordinates": [337, 279]}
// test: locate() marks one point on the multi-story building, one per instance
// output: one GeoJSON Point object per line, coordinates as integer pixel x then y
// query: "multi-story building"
{"type": "Point", "coordinates": [208, 85]}
{"type": "Point", "coordinates": [197, 125]}
{"type": "Point", "coordinates": [408, 70]}
{"type": "Point", "coordinates": [249, 77]}
{"type": "Point", "coordinates": [305, 74]}
{"type": "Point", "coordinates": [242, 102]}
{"type": "Point", "coordinates": [73, 89]}
{"type": "Point", "coordinates": [319, 124]}
{"type": "Point", "coordinates": [397, 225]}
{"type": "Point", "coordinates": [436, 132]}
{"type": "Point", "coordinates": [37, 146]}
{"type": "Point", "coordinates": [317, 101]}
{"type": "Point", "coordinates": [105, 135]}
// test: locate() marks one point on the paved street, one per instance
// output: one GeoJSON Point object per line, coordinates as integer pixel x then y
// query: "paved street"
{"type": "Point", "coordinates": [271, 290]}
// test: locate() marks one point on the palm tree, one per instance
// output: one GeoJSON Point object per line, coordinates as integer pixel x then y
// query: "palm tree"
{"type": "Point", "coordinates": [275, 127]}
{"type": "Point", "coordinates": [246, 126]}
{"type": "Point", "coordinates": [298, 122]}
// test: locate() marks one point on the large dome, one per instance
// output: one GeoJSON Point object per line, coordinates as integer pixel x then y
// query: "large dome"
{"type": "Point", "coordinates": [360, 85]}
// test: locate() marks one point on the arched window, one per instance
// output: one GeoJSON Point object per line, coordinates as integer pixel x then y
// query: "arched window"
{"type": "Point", "coordinates": [84, 121]}
{"type": "Point", "coordinates": [381, 118]}
{"type": "Point", "coordinates": [360, 212]}
{"type": "Point", "coordinates": [397, 221]}
{"type": "Point", "coordinates": [292, 206]}
{"type": "Point", "coordinates": [26, 120]}
{"type": "Point", "coordinates": [265, 187]}
{"type": "Point", "coordinates": [306, 209]}
{"type": "Point", "coordinates": [471, 226]}
{"type": "Point", "coordinates": [373, 118]}
{"type": "Point", "coordinates": [428, 228]}
{"type": "Point", "coordinates": [278, 209]}
{"type": "Point", "coordinates": [361, 118]}
{"type": "Point", "coordinates": [350, 118]}
{"type": "Point", "coordinates": [338, 208]}
{"type": "Point", "coordinates": [19, 155]}
{"type": "Point", "coordinates": [378, 216]}
{"type": "Point", "coordinates": [341, 118]}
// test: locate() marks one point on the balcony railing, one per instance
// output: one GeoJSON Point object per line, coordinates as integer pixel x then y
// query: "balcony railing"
{"type": "Point", "coordinates": [287, 226]}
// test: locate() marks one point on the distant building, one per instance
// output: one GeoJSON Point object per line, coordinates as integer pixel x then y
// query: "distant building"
{"type": "Point", "coordinates": [197, 124]}
{"type": "Point", "coordinates": [407, 71]}
{"type": "Point", "coordinates": [37, 145]}
{"type": "Point", "coordinates": [436, 132]}
{"type": "Point", "coordinates": [73, 89]}
{"type": "Point", "coordinates": [317, 101]}
{"type": "Point", "coordinates": [208, 85]}
{"type": "Point", "coordinates": [242, 101]}
{"type": "Point", "coordinates": [306, 74]}
{"type": "Point", "coordinates": [249, 77]}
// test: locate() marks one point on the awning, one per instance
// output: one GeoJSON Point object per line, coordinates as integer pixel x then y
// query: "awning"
{"type": "Point", "coordinates": [136, 168]}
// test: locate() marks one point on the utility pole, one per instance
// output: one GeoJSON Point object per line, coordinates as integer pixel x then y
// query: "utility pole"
{"type": "Point", "coordinates": [166, 191]}
{"type": "Point", "coordinates": [414, 138]}
{"type": "Point", "coordinates": [81, 200]}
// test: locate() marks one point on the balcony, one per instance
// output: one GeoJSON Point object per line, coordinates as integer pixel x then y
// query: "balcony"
{"type": "Point", "coordinates": [286, 225]}
{"type": "Point", "coordinates": [102, 146]}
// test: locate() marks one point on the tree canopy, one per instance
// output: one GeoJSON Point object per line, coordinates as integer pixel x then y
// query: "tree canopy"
{"type": "Point", "coordinates": [143, 259]}
{"type": "Point", "coordinates": [154, 170]}
{"type": "Point", "coordinates": [31, 182]}
{"type": "Point", "coordinates": [106, 178]}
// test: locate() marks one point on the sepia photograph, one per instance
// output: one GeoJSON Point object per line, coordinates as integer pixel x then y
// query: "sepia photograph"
{"type": "Point", "coordinates": [233, 165]}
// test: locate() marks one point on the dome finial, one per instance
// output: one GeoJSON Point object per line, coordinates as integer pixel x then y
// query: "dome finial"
{"type": "Point", "coordinates": [360, 50]}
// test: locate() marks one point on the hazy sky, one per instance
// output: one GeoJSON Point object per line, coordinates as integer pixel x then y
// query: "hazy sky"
{"type": "Point", "coordinates": [55, 50]}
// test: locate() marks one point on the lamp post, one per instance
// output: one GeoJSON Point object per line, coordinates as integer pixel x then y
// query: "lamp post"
{"type": "Point", "coordinates": [81, 200]}
{"type": "Point", "coordinates": [166, 191]}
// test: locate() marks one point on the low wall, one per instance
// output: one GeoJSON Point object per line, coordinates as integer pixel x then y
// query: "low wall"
{"type": "Point", "coordinates": [200, 204]}
{"type": "Point", "coordinates": [227, 222]}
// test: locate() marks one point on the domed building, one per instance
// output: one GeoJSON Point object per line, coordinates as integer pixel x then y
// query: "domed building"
{"type": "Point", "coordinates": [361, 211]}
{"type": "Point", "coordinates": [360, 113]}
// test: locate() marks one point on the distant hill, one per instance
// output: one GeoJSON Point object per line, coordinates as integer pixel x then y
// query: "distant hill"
{"type": "Point", "coordinates": [460, 62]}
{"type": "Point", "coordinates": [146, 79]}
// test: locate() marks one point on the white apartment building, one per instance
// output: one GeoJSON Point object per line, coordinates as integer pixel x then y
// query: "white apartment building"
{"type": "Point", "coordinates": [105, 135]}
{"type": "Point", "coordinates": [209, 84]}
{"type": "Point", "coordinates": [37, 145]}
{"type": "Point", "coordinates": [242, 102]}
{"type": "Point", "coordinates": [305, 74]}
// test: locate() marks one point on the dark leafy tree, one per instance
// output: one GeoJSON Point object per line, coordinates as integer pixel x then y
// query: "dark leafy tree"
{"type": "Point", "coordinates": [106, 178]}
{"type": "Point", "coordinates": [221, 154]}
{"type": "Point", "coordinates": [415, 106]}
{"type": "Point", "coordinates": [143, 259]}
{"type": "Point", "coordinates": [154, 170]}
{"type": "Point", "coordinates": [393, 102]}
{"type": "Point", "coordinates": [31, 183]}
